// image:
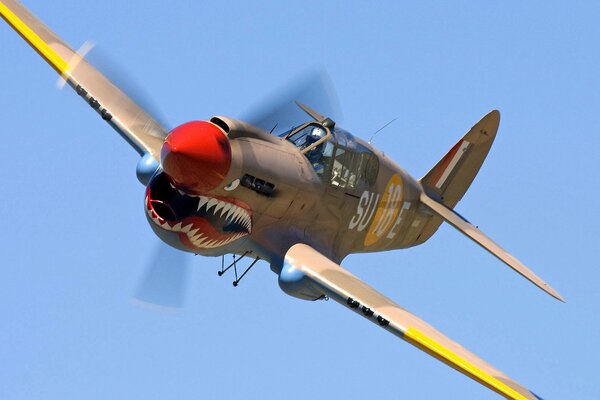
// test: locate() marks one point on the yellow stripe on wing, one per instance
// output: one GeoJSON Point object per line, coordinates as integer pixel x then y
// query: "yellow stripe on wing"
{"type": "Point", "coordinates": [430, 346]}
{"type": "Point", "coordinates": [56, 61]}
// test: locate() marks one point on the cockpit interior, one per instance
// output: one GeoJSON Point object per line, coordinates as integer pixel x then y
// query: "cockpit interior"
{"type": "Point", "coordinates": [336, 156]}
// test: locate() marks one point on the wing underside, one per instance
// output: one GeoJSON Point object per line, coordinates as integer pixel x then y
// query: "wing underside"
{"type": "Point", "coordinates": [138, 128]}
{"type": "Point", "coordinates": [321, 275]}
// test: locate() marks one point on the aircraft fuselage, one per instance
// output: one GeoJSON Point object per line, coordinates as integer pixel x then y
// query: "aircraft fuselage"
{"type": "Point", "coordinates": [263, 194]}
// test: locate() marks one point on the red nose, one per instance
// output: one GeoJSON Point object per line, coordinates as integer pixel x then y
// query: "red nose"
{"type": "Point", "coordinates": [197, 156]}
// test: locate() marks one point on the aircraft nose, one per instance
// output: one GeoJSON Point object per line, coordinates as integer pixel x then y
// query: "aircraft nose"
{"type": "Point", "coordinates": [197, 156]}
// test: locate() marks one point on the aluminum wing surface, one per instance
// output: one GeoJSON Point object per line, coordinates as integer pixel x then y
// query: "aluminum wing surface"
{"type": "Point", "coordinates": [484, 241]}
{"type": "Point", "coordinates": [320, 275]}
{"type": "Point", "coordinates": [138, 128]}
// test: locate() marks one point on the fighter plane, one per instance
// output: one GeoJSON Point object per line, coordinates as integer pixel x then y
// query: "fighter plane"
{"type": "Point", "coordinates": [301, 200]}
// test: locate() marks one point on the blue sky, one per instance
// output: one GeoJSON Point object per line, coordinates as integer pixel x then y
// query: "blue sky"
{"type": "Point", "coordinates": [75, 241]}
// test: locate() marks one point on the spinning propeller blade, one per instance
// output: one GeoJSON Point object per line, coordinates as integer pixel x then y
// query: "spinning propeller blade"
{"type": "Point", "coordinates": [100, 57]}
{"type": "Point", "coordinates": [164, 282]}
{"type": "Point", "coordinates": [280, 112]}
{"type": "Point", "coordinates": [118, 110]}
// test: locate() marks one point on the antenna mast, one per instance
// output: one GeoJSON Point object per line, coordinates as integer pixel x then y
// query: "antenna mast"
{"type": "Point", "coordinates": [380, 129]}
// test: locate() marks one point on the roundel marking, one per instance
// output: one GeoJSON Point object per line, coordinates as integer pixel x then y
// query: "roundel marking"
{"type": "Point", "coordinates": [388, 209]}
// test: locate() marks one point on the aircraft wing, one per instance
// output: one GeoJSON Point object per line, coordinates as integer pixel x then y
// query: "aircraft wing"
{"type": "Point", "coordinates": [484, 241]}
{"type": "Point", "coordinates": [138, 128]}
{"type": "Point", "coordinates": [315, 273]}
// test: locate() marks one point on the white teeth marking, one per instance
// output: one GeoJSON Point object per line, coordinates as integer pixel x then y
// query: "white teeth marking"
{"type": "Point", "coordinates": [219, 206]}
{"type": "Point", "coordinates": [187, 228]}
{"type": "Point", "coordinates": [201, 241]}
{"type": "Point", "coordinates": [239, 218]}
{"type": "Point", "coordinates": [226, 208]}
{"type": "Point", "coordinates": [211, 203]}
{"type": "Point", "coordinates": [230, 212]}
{"type": "Point", "coordinates": [203, 201]}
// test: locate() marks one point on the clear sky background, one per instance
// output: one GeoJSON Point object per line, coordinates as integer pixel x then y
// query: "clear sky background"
{"type": "Point", "coordinates": [74, 239]}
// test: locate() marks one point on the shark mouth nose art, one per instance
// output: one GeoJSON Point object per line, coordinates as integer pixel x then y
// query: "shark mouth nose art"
{"type": "Point", "coordinates": [201, 221]}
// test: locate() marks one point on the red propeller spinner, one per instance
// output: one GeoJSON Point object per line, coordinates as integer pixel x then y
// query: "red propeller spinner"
{"type": "Point", "coordinates": [196, 156]}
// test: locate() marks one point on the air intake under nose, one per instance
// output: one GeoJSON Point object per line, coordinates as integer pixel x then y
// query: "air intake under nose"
{"type": "Point", "coordinates": [196, 156]}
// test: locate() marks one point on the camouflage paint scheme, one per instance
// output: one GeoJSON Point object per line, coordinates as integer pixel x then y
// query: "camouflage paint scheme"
{"type": "Point", "coordinates": [224, 186]}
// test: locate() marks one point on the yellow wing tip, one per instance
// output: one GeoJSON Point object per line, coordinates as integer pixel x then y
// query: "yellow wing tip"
{"type": "Point", "coordinates": [431, 346]}
{"type": "Point", "coordinates": [38, 44]}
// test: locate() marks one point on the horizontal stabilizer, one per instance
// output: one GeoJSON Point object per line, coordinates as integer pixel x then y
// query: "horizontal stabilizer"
{"type": "Point", "coordinates": [484, 241]}
{"type": "Point", "coordinates": [321, 276]}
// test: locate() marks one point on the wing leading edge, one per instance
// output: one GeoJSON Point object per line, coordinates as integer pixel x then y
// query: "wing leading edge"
{"type": "Point", "coordinates": [484, 241]}
{"type": "Point", "coordinates": [308, 271]}
{"type": "Point", "coordinates": [138, 128]}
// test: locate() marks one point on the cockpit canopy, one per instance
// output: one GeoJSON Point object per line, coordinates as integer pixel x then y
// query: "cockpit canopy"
{"type": "Point", "coordinates": [336, 156]}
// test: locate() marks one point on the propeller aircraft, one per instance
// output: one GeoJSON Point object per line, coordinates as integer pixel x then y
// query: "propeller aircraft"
{"type": "Point", "coordinates": [301, 200]}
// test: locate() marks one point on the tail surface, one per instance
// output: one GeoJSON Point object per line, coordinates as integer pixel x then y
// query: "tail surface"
{"type": "Point", "coordinates": [454, 173]}
{"type": "Point", "coordinates": [449, 179]}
